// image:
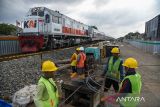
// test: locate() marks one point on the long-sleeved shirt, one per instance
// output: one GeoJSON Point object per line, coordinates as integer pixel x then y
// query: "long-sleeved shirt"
{"type": "Point", "coordinates": [74, 59]}
{"type": "Point", "coordinates": [120, 68]}
{"type": "Point", "coordinates": [41, 95]}
{"type": "Point", "coordinates": [126, 85]}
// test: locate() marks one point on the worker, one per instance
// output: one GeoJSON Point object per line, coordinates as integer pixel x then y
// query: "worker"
{"type": "Point", "coordinates": [74, 63]}
{"type": "Point", "coordinates": [130, 86]}
{"type": "Point", "coordinates": [113, 71]}
{"type": "Point", "coordinates": [81, 58]}
{"type": "Point", "coordinates": [132, 83]}
{"type": "Point", "coordinates": [47, 91]}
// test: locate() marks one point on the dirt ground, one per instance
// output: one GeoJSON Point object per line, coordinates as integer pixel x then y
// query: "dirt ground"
{"type": "Point", "coordinates": [149, 68]}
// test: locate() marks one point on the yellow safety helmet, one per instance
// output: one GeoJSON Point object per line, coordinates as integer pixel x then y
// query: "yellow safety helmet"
{"type": "Point", "coordinates": [130, 63]}
{"type": "Point", "coordinates": [115, 50]}
{"type": "Point", "coordinates": [49, 66]}
{"type": "Point", "coordinates": [77, 49]}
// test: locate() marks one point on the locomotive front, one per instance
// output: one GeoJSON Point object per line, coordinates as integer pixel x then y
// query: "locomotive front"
{"type": "Point", "coordinates": [32, 37]}
{"type": "Point", "coordinates": [48, 29]}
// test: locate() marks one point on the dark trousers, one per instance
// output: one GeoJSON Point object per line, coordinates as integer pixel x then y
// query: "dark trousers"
{"type": "Point", "coordinates": [109, 83]}
{"type": "Point", "coordinates": [74, 69]}
{"type": "Point", "coordinates": [80, 71]}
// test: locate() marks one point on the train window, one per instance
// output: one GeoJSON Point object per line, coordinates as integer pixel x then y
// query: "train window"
{"type": "Point", "coordinates": [34, 13]}
{"type": "Point", "coordinates": [56, 19]}
{"type": "Point", "coordinates": [63, 21]}
{"type": "Point", "coordinates": [41, 13]}
{"type": "Point", "coordinates": [47, 18]}
{"type": "Point", "coordinates": [78, 26]}
{"type": "Point", "coordinates": [71, 23]}
{"type": "Point", "coordinates": [52, 18]}
{"type": "Point", "coordinates": [60, 20]}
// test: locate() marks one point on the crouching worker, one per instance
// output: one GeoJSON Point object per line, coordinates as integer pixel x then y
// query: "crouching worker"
{"type": "Point", "coordinates": [47, 91]}
{"type": "Point", "coordinates": [130, 86]}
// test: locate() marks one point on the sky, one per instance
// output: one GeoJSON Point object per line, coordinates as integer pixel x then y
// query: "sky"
{"type": "Point", "coordinates": [115, 18]}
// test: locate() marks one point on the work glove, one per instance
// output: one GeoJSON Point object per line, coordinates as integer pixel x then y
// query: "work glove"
{"type": "Point", "coordinates": [109, 99]}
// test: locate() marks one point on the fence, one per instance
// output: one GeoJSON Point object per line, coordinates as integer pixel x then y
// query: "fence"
{"type": "Point", "coordinates": [9, 47]}
{"type": "Point", "coordinates": [147, 46]}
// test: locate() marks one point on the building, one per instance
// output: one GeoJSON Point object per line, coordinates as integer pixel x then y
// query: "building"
{"type": "Point", "coordinates": [152, 29]}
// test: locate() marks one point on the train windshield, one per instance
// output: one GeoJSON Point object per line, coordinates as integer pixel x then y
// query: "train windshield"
{"type": "Point", "coordinates": [37, 12]}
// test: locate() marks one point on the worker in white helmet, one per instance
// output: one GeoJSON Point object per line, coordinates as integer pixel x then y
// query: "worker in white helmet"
{"type": "Point", "coordinates": [81, 58]}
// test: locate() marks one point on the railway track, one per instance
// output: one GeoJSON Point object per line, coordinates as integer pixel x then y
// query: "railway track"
{"type": "Point", "coordinates": [22, 55]}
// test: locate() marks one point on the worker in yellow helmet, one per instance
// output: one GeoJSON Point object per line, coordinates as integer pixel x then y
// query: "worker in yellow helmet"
{"type": "Point", "coordinates": [74, 62]}
{"type": "Point", "coordinates": [47, 91]}
{"type": "Point", "coordinates": [130, 86]}
{"type": "Point", "coordinates": [113, 71]}
{"type": "Point", "coordinates": [131, 83]}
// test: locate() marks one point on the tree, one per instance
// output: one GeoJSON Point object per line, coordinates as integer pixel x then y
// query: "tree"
{"type": "Point", "coordinates": [7, 29]}
{"type": "Point", "coordinates": [132, 35]}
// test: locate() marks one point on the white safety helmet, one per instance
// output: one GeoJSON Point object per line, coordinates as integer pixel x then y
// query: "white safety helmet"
{"type": "Point", "coordinates": [81, 48]}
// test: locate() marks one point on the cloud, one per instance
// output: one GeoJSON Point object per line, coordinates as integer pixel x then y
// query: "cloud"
{"type": "Point", "coordinates": [157, 6]}
{"type": "Point", "coordinates": [12, 10]}
{"type": "Point", "coordinates": [101, 3]}
{"type": "Point", "coordinates": [118, 17]}
{"type": "Point", "coordinates": [52, 1]}
{"type": "Point", "coordinates": [114, 17]}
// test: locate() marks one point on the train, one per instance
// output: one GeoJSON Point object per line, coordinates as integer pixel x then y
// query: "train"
{"type": "Point", "coordinates": [44, 28]}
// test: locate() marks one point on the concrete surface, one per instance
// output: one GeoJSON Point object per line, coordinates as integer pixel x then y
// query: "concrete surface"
{"type": "Point", "coordinates": [149, 68]}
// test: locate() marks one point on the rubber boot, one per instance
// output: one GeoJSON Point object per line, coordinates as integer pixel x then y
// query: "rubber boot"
{"type": "Point", "coordinates": [82, 76]}
{"type": "Point", "coordinates": [73, 75]}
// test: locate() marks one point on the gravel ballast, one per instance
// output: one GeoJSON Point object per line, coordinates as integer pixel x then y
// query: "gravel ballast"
{"type": "Point", "coordinates": [17, 73]}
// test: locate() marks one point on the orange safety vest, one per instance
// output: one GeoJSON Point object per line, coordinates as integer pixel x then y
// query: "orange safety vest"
{"type": "Point", "coordinates": [80, 64]}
